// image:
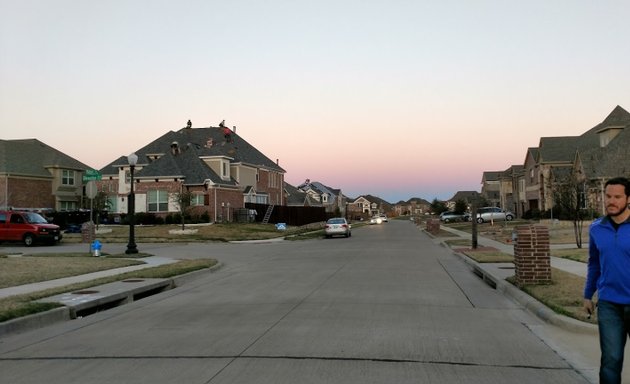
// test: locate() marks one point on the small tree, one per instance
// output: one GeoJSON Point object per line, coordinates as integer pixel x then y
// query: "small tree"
{"type": "Point", "coordinates": [183, 199]}
{"type": "Point", "coordinates": [460, 206]}
{"type": "Point", "coordinates": [438, 206]}
{"type": "Point", "coordinates": [569, 196]}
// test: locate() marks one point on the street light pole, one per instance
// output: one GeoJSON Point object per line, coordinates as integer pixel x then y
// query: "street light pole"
{"type": "Point", "coordinates": [131, 246]}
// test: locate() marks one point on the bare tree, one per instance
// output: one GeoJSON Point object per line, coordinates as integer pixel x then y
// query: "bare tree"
{"type": "Point", "coordinates": [569, 200]}
{"type": "Point", "coordinates": [184, 202]}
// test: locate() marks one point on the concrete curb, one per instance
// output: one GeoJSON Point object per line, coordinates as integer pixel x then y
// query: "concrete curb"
{"type": "Point", "coordinates": [528, 302]}
{"type": "Point", "coordinates": [534, 306]}
{"type": "Point", "coordinates": [42, 319]}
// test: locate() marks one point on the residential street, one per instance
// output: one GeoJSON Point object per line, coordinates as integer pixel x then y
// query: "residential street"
{"type": "Point", "coordinates": [387, 305]}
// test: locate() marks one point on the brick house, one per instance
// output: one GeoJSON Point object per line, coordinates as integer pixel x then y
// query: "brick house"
{"type": "Point", "coordinates": [330, 198]}
{"type": "Point", "coordinates": [413, 207]}
{"type": "Point", "coordinates": [35, 176]}
{"type": "Point", "coordinates": [221, 175]}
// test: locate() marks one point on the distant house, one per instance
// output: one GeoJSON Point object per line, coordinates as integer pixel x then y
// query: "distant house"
{"type": "Point", "coordinates": [468, 197]}
{"type": "Point", "coordinates": [330, 198]}
{"type": "Point", "coordinates": [367, 205]}
{"type": "Point", "coordinates": [221, 175]}
{"type": "Point", "coordinates": [491, 187]}
{"type": "Point", "coordinates": [413, 207]}
{"type": "Point", "coordinates": [511, 189]}
{"type": "Point", "coordinates": [296, 198]}
{"type": "Point", "coordinates": [35, 176]}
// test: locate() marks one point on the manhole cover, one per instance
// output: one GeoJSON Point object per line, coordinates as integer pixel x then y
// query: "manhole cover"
{"type": "Point", "coordinates": [84, 292]}
{"type": "Point", "coordinates": [132, 281]}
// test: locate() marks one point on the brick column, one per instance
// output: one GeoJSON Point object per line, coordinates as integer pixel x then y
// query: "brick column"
{"type": "Point", "coordinates": [531, 255]}
{"type": "Point", "coordinates": [433, 226]}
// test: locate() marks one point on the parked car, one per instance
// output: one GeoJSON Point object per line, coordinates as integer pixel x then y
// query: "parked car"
{"type": "Point", "coordinates": [337, 226]}
{"type": "Point", "coordinates": [27, 227]}
{"type": "Point", "coordinates": [450, 216]}
{"type": "Point", "coordinates": [486, 214]}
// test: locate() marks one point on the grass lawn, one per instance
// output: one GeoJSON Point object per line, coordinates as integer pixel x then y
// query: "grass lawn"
{"type": "Point", "coordinates": [193, 232]}
{"type": "Point", "coordinates": [31, 269]}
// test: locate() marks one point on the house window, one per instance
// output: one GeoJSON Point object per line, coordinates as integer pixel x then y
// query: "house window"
{"type": "Point", "coordinates": [157, 201]}
{"type": "Point", "coordinates": [324, 198]}
{"type": "Point", "coordinates": [196, 199]}
{"type": "Point", "coordinates": [261, 199]}
{"type": "Point", "coordinates": [112, 205]}
{"type": "Point", "coordinates": [224, 170]}
{"type": "Point", "coordinates": [67, 205]}
{"type": "Point", "coordinates": [67, 177]}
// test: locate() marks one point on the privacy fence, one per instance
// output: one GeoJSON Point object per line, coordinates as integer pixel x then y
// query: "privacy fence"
{"type": "Point", "coordinates": [290, 215]}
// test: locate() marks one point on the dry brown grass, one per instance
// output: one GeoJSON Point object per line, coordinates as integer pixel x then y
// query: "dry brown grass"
{"type": "Point", "coordinates": [27, 269]}
{"type": "Point", "coordinates": [210, 232]}
{"type": "Point", "coordinates": [563, 295]}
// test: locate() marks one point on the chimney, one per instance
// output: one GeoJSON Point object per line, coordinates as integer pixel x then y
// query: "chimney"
{"type": "Point", "coordinates": [234, 128]}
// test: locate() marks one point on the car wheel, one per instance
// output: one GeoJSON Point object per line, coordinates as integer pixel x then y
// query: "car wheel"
{"type": "Point", "coordinates": [446, 221]}
{"type": "Point", "coordinates": [29, 240]}
{"type": "Point", "coordinates": [480, 220]}
{"type": "Point", "coordinates": [508, 217]}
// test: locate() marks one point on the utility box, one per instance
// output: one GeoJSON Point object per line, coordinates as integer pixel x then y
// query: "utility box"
{"type": "Point", "coordinates": [532, 255]}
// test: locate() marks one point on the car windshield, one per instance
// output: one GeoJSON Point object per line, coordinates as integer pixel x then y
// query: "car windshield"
{"type": "Point", "coordinates": [336, 221]}
{"type": "Point", "coordinates": [35, 218]}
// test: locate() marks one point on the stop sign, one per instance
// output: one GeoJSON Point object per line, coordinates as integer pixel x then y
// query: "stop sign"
{"type": "Point", "coordinates": [90, 189]}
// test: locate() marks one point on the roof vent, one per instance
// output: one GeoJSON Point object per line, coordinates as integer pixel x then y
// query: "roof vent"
{"type": "Point", "coordinates": [174, 147]}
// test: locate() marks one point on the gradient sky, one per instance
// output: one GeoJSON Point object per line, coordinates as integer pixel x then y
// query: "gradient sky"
{"type": "Point", "coordinates": [392, 98]}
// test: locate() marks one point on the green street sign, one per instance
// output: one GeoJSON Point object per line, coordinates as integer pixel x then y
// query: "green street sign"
{"type": "Point", "coordinates": [92, 174]}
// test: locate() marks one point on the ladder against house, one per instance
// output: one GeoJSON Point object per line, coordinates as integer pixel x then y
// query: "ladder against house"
{"type": "Point", "coordinates": [267, 214]}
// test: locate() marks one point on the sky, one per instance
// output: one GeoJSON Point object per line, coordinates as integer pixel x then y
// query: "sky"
{"type": "Point", "coordinates": [393, 98]}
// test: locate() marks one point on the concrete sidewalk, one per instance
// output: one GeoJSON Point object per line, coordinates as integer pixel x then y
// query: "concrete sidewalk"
{"type": "Point", "coordinates": [574, 267]}
{"type": "Point", "coordinates": [151, 261]}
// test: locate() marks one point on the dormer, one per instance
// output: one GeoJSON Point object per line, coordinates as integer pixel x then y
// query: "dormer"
{"type": "Point", "coordinates": [606, 135]}
{"type": "Point", "coordinates": [220, 165]}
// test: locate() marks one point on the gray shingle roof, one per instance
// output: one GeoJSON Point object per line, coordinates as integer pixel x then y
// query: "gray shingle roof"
{"type": "Point", "coordinates": [31, 157]}
{"type": "Point", "coordinates": [200, 142]}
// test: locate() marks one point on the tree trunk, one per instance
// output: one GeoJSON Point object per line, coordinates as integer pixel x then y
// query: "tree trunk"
{"type": "Point", "coordinates": [578, 224]}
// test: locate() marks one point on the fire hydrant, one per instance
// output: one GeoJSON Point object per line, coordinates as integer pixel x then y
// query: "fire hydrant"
{"type": "Point", "coordinates": [96, 248]}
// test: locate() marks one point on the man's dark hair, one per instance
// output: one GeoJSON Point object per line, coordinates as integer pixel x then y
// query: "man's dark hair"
{"type": "Point", "coordinates": [620, 181]}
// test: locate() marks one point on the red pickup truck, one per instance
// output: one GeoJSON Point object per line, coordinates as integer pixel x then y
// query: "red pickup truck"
{"type": "Point", "coordinates": [27, 227]}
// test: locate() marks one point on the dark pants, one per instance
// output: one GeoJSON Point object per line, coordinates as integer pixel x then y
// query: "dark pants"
{"type": "Point", "coordinates": [614, 329]}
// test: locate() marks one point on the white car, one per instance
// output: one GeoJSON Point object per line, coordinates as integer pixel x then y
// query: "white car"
{"type": "Point", "coordinates": [376, 220]}
{"type": "Point", "coordinates": [337, 226]}
{"type": "Point", "coordinates": [487, 214]}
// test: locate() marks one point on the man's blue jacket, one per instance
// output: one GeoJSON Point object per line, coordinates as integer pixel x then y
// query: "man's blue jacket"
{"type": "Point", "coordinates": [609, 261]}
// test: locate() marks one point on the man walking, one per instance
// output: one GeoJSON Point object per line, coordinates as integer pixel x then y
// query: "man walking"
{"type": "Point", "coordinates": [609, 275]}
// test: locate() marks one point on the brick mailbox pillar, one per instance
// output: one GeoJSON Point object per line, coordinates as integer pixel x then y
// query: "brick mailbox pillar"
{"type": "Point", "coordinates": [433, 226]}
{"type": "Point", "coordinates": [531, 255]}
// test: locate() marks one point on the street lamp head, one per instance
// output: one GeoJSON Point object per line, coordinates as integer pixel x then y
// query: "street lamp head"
{"type": "Point", "coordinates": [132, 159]}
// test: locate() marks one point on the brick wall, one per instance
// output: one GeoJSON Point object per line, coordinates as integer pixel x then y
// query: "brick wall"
{"type": "Point", "coordinates": [30, 193]}
{"type": "Point", "coordinates": [532, 255]}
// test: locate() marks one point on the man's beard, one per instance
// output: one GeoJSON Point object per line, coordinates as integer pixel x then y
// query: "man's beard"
{"type": "Point", "coordinates": [621, 211]}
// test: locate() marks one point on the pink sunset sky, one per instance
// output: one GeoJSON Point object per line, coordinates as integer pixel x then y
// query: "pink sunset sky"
{"type": "Point", "coordinates": [392, 98]}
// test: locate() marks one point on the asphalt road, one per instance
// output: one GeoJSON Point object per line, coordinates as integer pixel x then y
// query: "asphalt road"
{"type": "Point", "coordinates": [388, 305]}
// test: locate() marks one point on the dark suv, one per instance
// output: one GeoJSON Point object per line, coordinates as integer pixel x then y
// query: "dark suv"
{"type": "Point", "coordinates": [27, 227]}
